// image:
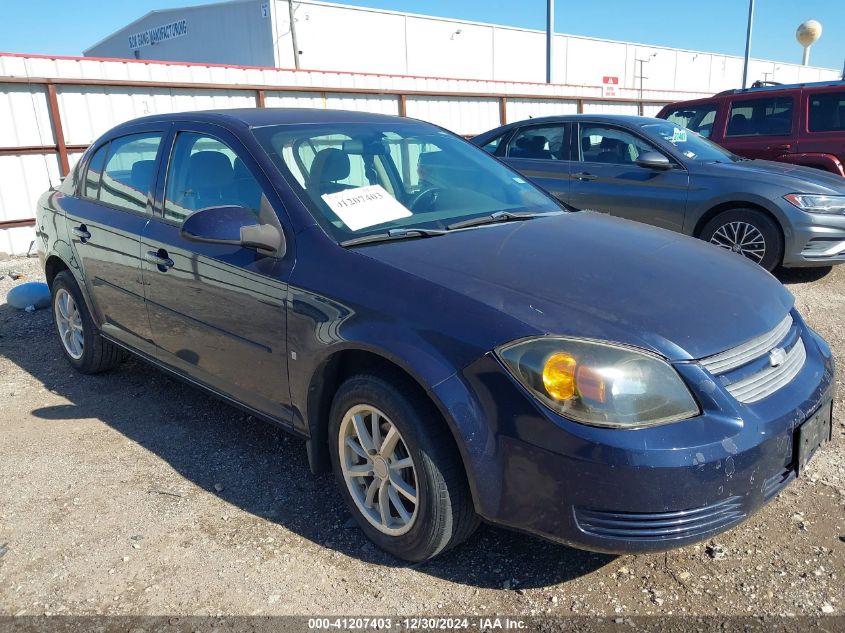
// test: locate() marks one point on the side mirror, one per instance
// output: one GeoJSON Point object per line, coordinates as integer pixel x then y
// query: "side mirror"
{"type": "Point", "coordinates": [236, 226]}
{"type": "Point", "coordinates": [653, 160]}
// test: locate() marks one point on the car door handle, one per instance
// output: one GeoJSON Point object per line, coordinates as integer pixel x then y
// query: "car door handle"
{"type": "Point", "coordinates": [160, 259]}
{"type": "Point", "coordinates": [783, 147]}
{"type": "Point", "coordinates": [82, 233]}
{"type": "Point", "coordinates": [584, 175]}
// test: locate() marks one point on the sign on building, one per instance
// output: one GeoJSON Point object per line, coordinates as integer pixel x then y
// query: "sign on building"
{"type": "Point", "coordinates": [158, 34]}
{"type": "Point", "coordinates": [609, 86]}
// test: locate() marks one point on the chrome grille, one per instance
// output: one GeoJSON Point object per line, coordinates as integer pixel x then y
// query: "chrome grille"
{"type": "Point", "coordinates": [745, 353]}
{"type": "Point", "coordinates": [764, 382]}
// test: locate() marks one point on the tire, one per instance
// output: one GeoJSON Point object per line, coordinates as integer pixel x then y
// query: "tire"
{"type": "Point", "coordinates": [724, 229]}
{"type": "Point", "coordinates": [443, 515]}
{"type": "Point", "coordinates": [82, 344]}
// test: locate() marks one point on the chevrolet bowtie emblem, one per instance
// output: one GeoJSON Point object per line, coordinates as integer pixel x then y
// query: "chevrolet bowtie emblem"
{"type": "Point", "coordinates": [777, 357]}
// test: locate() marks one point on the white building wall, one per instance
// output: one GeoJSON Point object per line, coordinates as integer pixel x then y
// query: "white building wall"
{"type": "Point", "coordinates": [341, 37]}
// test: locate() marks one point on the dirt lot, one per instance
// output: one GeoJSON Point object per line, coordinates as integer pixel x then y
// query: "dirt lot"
{"type": "Point", "coordinates": [131, 493]}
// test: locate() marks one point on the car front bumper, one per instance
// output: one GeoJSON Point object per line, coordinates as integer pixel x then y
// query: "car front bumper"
{"type": "Point", "coordinates": [813, 239]}
{"type": "Point", "coordinates": [623, 491]}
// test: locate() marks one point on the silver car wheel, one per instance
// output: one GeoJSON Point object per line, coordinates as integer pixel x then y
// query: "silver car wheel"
{"type": "Point", "coordinates": [69, 323]}
{"type": "Point", "coordinates": [742, 238]}
{"type": "Point", "coordinates": [378, 470]}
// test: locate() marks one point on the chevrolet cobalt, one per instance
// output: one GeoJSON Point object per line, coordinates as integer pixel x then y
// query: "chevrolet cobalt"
{"type": "Point", "coordinates": [447, 340]}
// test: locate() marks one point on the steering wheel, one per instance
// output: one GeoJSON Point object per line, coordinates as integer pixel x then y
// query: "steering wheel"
{"type": "Point", "coordinates": [428, 196]}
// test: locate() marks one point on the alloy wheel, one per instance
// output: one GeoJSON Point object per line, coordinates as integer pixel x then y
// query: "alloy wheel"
{"type": "Point", "coordinates": [742, 238]}
{"type": "Point", "coordinates": [378, 470]}
{"type": "Point", "coordinates": [69, 323]}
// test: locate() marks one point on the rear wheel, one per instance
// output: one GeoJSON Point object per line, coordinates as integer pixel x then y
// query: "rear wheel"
{"type": "Point", "coordinates": [398, 468]}
{"type": "Point", "coordinates": [80, 339]}
{"type": "Point", "coordinates": [747, 232]}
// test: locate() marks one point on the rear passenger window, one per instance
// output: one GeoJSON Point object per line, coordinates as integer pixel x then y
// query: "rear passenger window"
{"type": "Point", "coordinates": [761, 117]}
{"type": "Point", "coordinates": [547, 143]}
{"type": "Point", "coordinates": [93, 174]}
{"type": "Point", "coordinates": [128, 174]}
{"type": "Point", "coordinates": [827, 112]}
{"type": "Point", "coordinates": [696, 118]}
{"type": "Point", "coordinates": [205, 172]}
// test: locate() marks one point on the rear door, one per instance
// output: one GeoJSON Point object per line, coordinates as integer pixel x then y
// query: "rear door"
{"type": "Point", "coordinates": [762, 126]}
{"type": "Point", "coordinates": [822, 130]}
{"type": "Point", "coordinates": [218, 311]}
{"type": "Point", "coordinates": [541, 153]}
{"type": "Point", "coordinates": [606, 178]}
{"type": "Point", "coordinates": [105, 221]}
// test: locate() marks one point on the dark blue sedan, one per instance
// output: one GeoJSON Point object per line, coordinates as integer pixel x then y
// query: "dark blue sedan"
{"type": "Point", "coordinates": [446, 338]}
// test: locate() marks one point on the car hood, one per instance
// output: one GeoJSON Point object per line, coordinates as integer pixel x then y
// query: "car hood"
{"type": "Point", "coordinates": [791, 178]}
{"type": "Point", "coordinates": [594, 276]}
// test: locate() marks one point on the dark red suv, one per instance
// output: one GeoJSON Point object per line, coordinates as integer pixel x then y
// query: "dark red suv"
{"type": "Point", "coordinates": [802, 124]}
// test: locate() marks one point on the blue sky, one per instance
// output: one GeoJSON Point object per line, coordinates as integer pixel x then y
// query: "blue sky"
{"type": "Point", "coordinates": [66, 27]}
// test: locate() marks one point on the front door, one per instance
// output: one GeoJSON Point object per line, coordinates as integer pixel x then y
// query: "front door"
{"type": "Point", "coordinates": [606, 178]}
{"type": "Point", "coordinates": [105, 220]}
{"type": "Point", "coordinates": [218, 311]}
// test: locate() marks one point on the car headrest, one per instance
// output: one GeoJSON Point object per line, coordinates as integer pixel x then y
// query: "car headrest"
{"type": "Point", "coordinates": [585, 143]}
{"type": "Point", "coordinates": [142, 174]}
{"type": "Point", "coordinates": [330, 165]}
{"type": "Point", "coordinates": [537, 143]}
{"type": "Point", "coordinates": [209, 168]}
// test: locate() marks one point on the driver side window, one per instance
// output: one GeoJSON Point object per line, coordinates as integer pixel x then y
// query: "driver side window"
{"type": "Point", "coordinates": [204, 172]}
{"type": "Point", "coordinates": [610, 145]}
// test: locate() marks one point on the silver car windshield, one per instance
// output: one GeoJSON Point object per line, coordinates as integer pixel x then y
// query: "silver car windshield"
{"type": "Point", "coordinates": [362, 178]}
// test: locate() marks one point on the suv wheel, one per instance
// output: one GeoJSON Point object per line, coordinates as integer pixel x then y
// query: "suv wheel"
{"type": "Point", "coordinates": [749, 233]}
{"type": "Point", "coordinates": [399, 472]}
{"type": "Point", "coordinates": [81, 341]}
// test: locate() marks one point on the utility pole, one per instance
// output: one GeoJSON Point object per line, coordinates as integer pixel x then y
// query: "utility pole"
{"type": "Point", "coordinates": [640, 76]}
{"type": "Point", "coordinates": [748, 43]}
{"type": "Point", "coordinates": [293, 35]}
{"type": "Point", "coordinates": [550, 37]}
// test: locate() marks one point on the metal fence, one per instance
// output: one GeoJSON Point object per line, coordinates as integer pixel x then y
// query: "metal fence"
{"type": "Point", "coordinates": [52, 108]}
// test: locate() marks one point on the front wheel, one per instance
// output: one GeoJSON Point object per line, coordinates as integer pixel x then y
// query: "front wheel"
{"type": "Point", "coordinates": [747, 232]}
{"type": "Point", "coordinates": [398, 468]}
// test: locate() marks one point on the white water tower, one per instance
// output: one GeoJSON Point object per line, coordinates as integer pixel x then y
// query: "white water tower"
{"type": "Point", "coordinates": [808, 34]}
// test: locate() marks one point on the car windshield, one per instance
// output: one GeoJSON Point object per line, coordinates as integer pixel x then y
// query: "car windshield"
{"type": "Point", "coordinates": [369, 178]}
{"type": "Point", "coordinates": [689, 143]}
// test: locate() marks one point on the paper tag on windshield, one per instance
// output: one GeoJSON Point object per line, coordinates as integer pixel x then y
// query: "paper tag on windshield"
{"type": "Point", "coordinates": [365, 206]}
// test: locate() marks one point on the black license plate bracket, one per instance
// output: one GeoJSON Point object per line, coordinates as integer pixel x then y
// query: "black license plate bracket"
{"type": "Point", "coordinates": [813, 433]}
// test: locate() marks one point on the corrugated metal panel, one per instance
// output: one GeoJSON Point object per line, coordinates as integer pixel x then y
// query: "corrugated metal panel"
{"type": "Point", "coordinates": [463, 115]}
{"type": "Point", "coordinates": [380, 104]}
{"type": "Point", "coordinates": [610, 107]}
{"type": "Point", "coordinates": [521, 109]}
{"type": "Point", "coordinates": [25, 117]}
{"type": "Point", "coordinates": [651, 109]}
{"type": "Point", "coordinates": [293, 100]}
{"type": "Point", "coordinates": [88, 111]}
{"type": "Point", "coordinates": [23, 178]}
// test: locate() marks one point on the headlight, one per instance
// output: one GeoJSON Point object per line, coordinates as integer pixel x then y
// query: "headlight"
{"type": "Point", "coordinates": [601, 384]}
{"type": "Point", "coordinates": [817, 204]}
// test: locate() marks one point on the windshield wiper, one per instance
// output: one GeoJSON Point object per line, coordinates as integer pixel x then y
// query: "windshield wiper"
{"type": "Point", "coordinates": [499, 216]}
{"type": "Point", "coordinates": [393, 234]}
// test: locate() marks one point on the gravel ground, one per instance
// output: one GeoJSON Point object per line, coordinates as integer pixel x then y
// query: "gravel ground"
{"type": "Point", "coordinates": [131, 493]}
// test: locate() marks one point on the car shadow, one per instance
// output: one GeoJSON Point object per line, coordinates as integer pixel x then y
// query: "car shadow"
{"type": "Point", "coordinates": [262, 470]}
{"type": "Point", "coordinates": [788, 276]}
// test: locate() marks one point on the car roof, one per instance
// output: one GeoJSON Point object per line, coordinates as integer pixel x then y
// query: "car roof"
{"type": "Point", "coordinates": [257, 117]}
{"type": "Point", "coordinates": [625, 119]}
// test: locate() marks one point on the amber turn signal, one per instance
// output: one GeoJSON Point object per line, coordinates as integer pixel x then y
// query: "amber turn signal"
{"type": "Point", "coordinates": [559, 376]}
